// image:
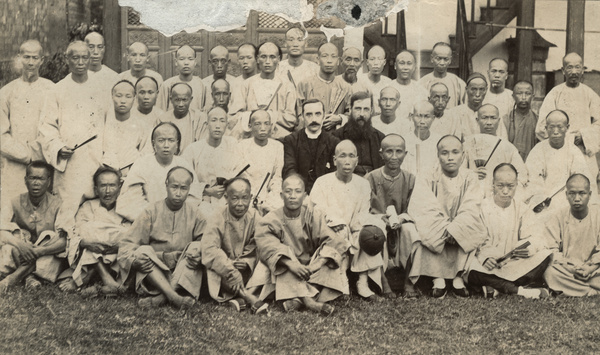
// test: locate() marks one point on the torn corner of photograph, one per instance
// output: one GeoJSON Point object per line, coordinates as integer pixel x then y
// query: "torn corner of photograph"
{"type": "Point", "coordinates": [173, 16]}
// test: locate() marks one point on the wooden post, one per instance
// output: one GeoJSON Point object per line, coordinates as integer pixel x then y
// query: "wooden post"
{"type": "Point", "coordinates": [111, 22]}
{"type": "Point", "coordinates": [400, 32]}
{"type": "Point", "coordinates": [252, 28]}
{"type": "Point", "coordinates": [575, 26]}
{"type": "Point", "coordinates": [525, 17]}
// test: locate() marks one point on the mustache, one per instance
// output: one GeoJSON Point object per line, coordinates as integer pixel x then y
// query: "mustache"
{"type": "Point", "coordinates": [315, 124]}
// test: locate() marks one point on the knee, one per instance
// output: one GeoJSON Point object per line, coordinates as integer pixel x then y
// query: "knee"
{"type": "Point", "coordinates": [193, 250]}
{"type": "Point", "coordinates": [144, 251]}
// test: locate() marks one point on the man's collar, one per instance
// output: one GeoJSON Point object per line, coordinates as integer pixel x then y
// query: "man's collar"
{"type": "Point", "coordinates": [311, 135]}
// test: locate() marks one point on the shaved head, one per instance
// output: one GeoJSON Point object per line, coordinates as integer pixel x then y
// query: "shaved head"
{"type": "Point", "coordinates": [219, 51]}
{"type": "Point", "coordinates": [423, 107]}
{"type": "Point", "coordinates": [185, 50]}
{"type": "Point", "coordinates": [291, 179]}
{"type": "Point", "coordinates": [352, 51]}
{"type": "Point", "coordinates": [76, 46]}
{"type": "Point", "coordinates": [94, 36]}
{"type": "Point", "coordinates": [572, 58]}
{"type": "Point", "coordinates": [345, 146]}
{"type": "Point", "coordinates": [578, 179]}
{"type": "Point", "coordinates": [390, 90]}
{"type": "Point", "coordinates": [181, 89]}
{"type": "Point", "coordinates": [31, 45]}
{"type": "Point", "coordinates": [448, 139]}
{"type": "Point", "coordinates": [328, 46]}
{"type": "Point", "coordinates": [488, 109]}
{"type": "Point", "coordinates": [392, 140]}
{"type": "Point", "coordinates": [376, 51]}
{"type": "Point", "coordinates": [138, 47]}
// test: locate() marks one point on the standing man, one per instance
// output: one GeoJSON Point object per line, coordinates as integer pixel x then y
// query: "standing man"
{"type": "Point", "coordinates": [146, 89]}
{"type": "Point", "coordinates": [352, 60]}
{"type": "Point", "coordinates": [21, 106]}
{"type": "Point", "coordinates": [374, 79]}
{"type": "Point", "coordinates": [74, 112]}
{"type": "Point", "coordinates": [185, 62]}
{"type": "Point", "coordinates": [246, 55]}
{"type": "Point", "coordinates": [298, 67]}
{"type": "Point", "coordinates": [326, 87]}
{"type": "Point", "coordinates": [582, 105]}
{"type": "Point", "coordinates": [446, 212]}
{"type": "Point", "coordinates": [521, 121]}
{"type": "Point", "coordinates": [220, 92]}
{"type": "Point", "coordinates": [266, 91]}
{"type": "Point", "coordinates": [309, 152]}
{"type": "Point", "coordinates": [445, 122]}
{"type": "Point", "coordinates": [410, 91]}
{"type": "Point", "coordinates": [497, 94]}
{"type": "Point", "coordinates": [389, 121]}
{"type": "Point", "coordinates": [137, 57]}
{"type": "Point", "coordinates": [360, 131]}
{"type": "Point", "coordinates": [441, 57]}
{"type": "Point", "coordinates": [98, 71]}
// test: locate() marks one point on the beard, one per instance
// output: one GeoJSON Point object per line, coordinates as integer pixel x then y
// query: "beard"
{"type": "Point", "coordinates": [356, 132]}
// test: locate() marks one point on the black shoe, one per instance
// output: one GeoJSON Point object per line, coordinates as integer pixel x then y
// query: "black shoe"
{"type": "Point", "coordinates": [438, 293]}
{"type": "Point", "coordinates": [461, 292]}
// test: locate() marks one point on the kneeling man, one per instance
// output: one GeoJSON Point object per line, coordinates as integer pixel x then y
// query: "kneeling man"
{"type": "Point", "coordinates": [574, 237]}
{"type": "Point", "coordinates": [503, 218]}
{"type": "Point", "coordinates": [151, 248]}
{"type": "Point", "coordinates": [300, 256]}
{"type": "Point", "coordinates": [229, 250]}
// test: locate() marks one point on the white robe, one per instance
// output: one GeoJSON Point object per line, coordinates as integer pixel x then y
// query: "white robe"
{"type": "Point", "coordinates": [503, 101]}
{"type": "Point", "coordinates": [375, 88]}
{"type": "Point", "coordinates": [126, 75]}
{"type": "Point", "coordinates": [549, 170]}
{"type": "Point", "coordinates": [234, 84]}
{"type": "Point", "coordinates": [299, 73]}
{"type": "Point", "coordinates": [582, 104]}
{"type": "Point", "coordinates": [21, 106]}
{"type": "Point", "coordinates": [124, 141]}
{"type": "Point", "coordinates": [480, 146]}
{"type": "Point", "coordinates": [505, 233]}
{"type": "Point", "coordinates": [450, 123]}
{"type": "Point", "coordinates": [263, 160]}
{"type": "Point", "coordinates": [409, 95]}
{"type": "Point", "coordinates": [145, 185]}
{"type": "Point", "coordinates": [211, 162]}
{"type": "Point", "coordinates": [427, 148]}
{"type": "Point", "coordinates": [457, 88]}
{"type": "Point", "coordinates": [192, 127]}
{"type": "Point", "coordinates": [400, 125]}
{"type": "Point", "coordinates": [105, 77]}
{"type": "Point", "coordinates": [469, 125]}
{"type": "Point", "coordinates": [73, 113]}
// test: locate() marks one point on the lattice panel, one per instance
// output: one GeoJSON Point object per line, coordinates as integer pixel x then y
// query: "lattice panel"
{"type": "Point", "coordinates": [133, 18]}
{"type": "Point", "coordinates": [266, 20]}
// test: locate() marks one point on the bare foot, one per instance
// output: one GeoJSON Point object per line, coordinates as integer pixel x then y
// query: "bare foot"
{"type": "Point", "coordinates": [155, 301]}
{"type": "Point", "coordinates": [4, 285]}
{"type": "Point", "coordinates": [67, 285]}
{"type": "Point", "coordinates": [112, 290]}
{"type": "Point", "coordinates": [182, 302]}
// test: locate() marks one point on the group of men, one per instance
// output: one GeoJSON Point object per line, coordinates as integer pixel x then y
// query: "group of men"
{"type": "Point", "coordinates": [293, 182]}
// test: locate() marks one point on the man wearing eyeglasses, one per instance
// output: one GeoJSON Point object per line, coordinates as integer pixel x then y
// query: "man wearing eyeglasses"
{"type": "Point", "coordinates": [32, 240]}
{"type": "Point", "coordinates": [581, 104]}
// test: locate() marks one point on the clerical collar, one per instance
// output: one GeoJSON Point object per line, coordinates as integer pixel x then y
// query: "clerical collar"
{"type": "Point", "coordinates": [311, 135]}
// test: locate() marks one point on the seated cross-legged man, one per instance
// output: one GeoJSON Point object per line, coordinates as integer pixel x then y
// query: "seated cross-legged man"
{"type": "Point", "coordinates": [446, 212]}
{"type": "Point", "coordinates": [573, 234]}
{"type": "Point", "coordinates": [94, 244]}
{"type": "Point", "coordinates": [229, 250]}
{"type": "Point", "coordinates": [300, 257]}
{"type": "Point", "coordinates": [149, 251]}
{"type": "Point", "coordinates": [32, 233]}
{"type": "Point", "coordinates": [504, 219]}
{"type": "Point", "coordinates": [391, 191]}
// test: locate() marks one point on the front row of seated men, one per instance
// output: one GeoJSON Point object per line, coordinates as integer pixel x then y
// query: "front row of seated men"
{"type": "Point", "coordinates": [300, 253]}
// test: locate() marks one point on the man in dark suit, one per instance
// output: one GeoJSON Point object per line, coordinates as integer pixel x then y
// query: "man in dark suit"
{"type": "Point", "coordinates": [309, 152]}
{"type": "Point", "coordinates": [360, 131]}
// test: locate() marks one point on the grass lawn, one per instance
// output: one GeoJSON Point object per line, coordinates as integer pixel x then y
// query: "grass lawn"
{"type": "Point", "coordinates": [48, 321]}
